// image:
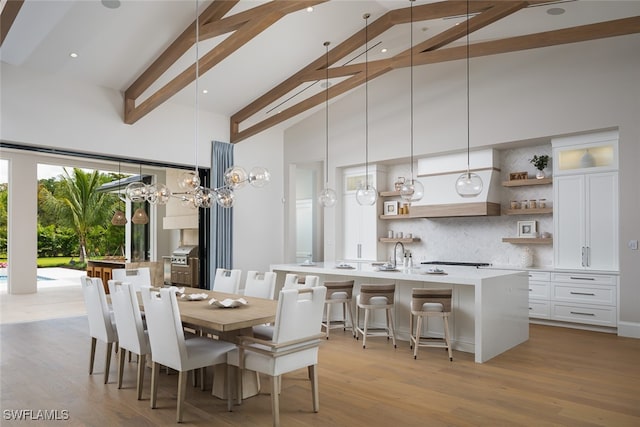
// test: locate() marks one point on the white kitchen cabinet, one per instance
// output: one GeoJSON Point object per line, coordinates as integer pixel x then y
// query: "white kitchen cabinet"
{"type": "Point", "coordinates": [586, 201]}
{"type": "Point", "coordinates": [586, 221]}
{"type": "Point", "coordinates": [590, 153]}
{"type": "Point", "coordinates": [584, 298]}
{"type": "Point", "coordinates": [360, 223]}
{"type": "Point", "coordinates": [539, 285]}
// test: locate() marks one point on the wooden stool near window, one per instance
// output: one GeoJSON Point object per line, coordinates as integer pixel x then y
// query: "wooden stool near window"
{"type": "Point", "coordinates": [375, 297]}
{"type": "Point", "coordinates": [430, 303]}
{"type": "Point", "coordinates": [339, 293]}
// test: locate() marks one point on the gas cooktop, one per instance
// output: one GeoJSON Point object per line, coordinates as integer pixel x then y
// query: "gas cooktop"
{"type": "Point", "coordinates": [467, 264]}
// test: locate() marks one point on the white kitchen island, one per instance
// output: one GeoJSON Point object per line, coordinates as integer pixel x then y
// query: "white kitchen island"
{"type": "Point", "coordinates": [490, 311]}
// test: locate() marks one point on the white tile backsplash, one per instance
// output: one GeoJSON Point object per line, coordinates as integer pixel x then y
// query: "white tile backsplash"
{"type": "Point", "coordinates": [479, 239]}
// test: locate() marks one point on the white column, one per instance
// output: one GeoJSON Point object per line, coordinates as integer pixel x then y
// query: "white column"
{"type": "Point", "coordinates": [23, 229]}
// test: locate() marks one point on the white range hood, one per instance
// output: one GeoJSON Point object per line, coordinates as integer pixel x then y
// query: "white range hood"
{"type": "Point", "coordinates": [439, 174]}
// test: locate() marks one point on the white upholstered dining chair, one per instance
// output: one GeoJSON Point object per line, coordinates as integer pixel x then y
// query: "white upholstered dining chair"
{"type": "Point", "coordinates": [260, 285]}
{"type": "Point", "coordinates": [294, 346]}
{"type": "Point", "coordinates": [131, 334]}
{"type": "Point", "coordinates": [170, 348]}
{"type": "Point", "coordinates": [101, 325]}
{"type": "Point", "coordinates": [294, 281]}
{"type": "Point", "coordinates": [138, 277]}
{"type": "Point", "coordinates": [227, 281]}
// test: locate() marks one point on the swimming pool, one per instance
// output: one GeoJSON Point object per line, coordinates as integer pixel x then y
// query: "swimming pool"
{"type": "Point", "coordinates": [3, 278]}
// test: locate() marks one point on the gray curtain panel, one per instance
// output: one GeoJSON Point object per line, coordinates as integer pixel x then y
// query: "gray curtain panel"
{"type": "Point", "coordinates": [221, 218]}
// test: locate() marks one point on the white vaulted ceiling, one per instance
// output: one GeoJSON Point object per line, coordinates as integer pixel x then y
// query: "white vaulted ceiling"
{"type": "Point", "coordinates": [116, 46]}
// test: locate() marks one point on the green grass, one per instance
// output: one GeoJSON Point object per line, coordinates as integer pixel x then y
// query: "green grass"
{"type": "Point", "coordinates": [67, 262]}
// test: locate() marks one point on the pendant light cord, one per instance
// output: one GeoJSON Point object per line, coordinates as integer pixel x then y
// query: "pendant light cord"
{"type": "Point", "coordinates": [411, 84]}
{"type": "Point", "coordinates": [197, 87]}
{"type": "Point", "coordinates": [468, 119]}
{"type": "Point", "coordinates": [326, 104]}
{"type": "Point", "coordinates": [366, 99]}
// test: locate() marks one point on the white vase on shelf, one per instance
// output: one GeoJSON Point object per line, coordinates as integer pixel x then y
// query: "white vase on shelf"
{"type": "Point", "coordinates": [526, 257]}
{"type": "Point", "coordinates": [540, 174]}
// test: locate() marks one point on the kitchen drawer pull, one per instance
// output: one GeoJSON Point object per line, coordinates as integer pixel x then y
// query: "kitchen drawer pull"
{"type": "Point", "coordinates": [582, 314]}
{"type": "Point", "coordinates": [581, 278]}
{"type": "Point", "coordinates": [591, 294]}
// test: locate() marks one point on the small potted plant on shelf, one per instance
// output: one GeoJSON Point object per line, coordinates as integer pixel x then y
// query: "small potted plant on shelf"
{"type": "Point", "coordinates": [540, 162]}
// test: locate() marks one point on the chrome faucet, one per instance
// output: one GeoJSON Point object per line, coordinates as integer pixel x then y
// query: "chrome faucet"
{"type": "Point", "coordinates": [395, 249]}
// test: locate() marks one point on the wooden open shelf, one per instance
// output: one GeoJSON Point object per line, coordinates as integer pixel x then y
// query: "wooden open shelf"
{"type": "Point", "coordinates": [528, 240]}
{"type": "Point", "coordinates": [523, 182]}
{"type": "Point", "coordinates": [528, 211]}
{"type": "Point", "coordinates": [405, 216]}
{"type": "Point", "coordinates": [389, 193]}
{"type": "Point", "coordinates": [403, 240]}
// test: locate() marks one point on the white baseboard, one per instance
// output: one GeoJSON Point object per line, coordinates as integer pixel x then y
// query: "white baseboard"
{"type": "Point", "coordinates": [629, 329]}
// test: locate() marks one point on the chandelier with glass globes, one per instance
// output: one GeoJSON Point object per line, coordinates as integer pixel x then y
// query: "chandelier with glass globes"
{"type": "Point", "coordinates": [193, 194]}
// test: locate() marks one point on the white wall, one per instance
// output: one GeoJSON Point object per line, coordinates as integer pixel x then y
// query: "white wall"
{"type": "Point", "coordinates": [44, 110]}
{"type": "Point", "coordinates": [258, 213]}
{"type": "Point", "coordinates": [526, 96]}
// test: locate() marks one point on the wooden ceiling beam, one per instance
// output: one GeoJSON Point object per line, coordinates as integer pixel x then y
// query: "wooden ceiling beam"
{"type": "Point", "coordinates": [215, 11]}
{"type": "Point", "coordinates": [424, 12]}
{"type": "Point", "coordinates": [253, 22]}
{"type": "Point", "coordinates": [615, 28]}
{"type": "Point", "coordinates": [7, 16]}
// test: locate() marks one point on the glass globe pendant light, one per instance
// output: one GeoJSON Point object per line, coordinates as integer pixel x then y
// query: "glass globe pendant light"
{"type": "Point", "coordinates": [235, 177]}
{"type": "Point", "coordinates": [412, 190]}
{"type": "Point", "coordinates": [468, 184]}
{"type": "Point", "coordinates": [225, 197]}
{"type": "Point", "coordinates": [327, 197]}
{"type": "Point", "coordinates": [366, 195]}
{"type": "Point", "coordinates": [259, 176]}
{"type": "Point", "coordinates": [158, 194]}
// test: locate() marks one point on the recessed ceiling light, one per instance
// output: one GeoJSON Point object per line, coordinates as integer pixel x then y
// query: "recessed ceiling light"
{"type": "Point", "coordinates": [73, 55]}
{"type": "Point", "coordinates": [310, 9]}
{"type": "Point", "coordinates": [111, 4]}
{"type": "Point", "coordinates": [205, 91]}
{"type": "Point", "coordinates": [383, 50]}
{"type": "Point", "coordinates": [555, 11]}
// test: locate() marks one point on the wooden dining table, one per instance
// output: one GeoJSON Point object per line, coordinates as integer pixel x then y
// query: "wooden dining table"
{"type": "Point", "coordinates": [227, 324]}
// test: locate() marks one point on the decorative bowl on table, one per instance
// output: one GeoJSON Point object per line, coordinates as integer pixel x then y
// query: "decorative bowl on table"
{"type": "Point", "coordinates": [435, 270]}
{"type": "Point", "coordinates": [345, 266]}
{"type": "Point", "coordinates": [387, 267]}
{"type": "Point", "coordinates": [228, 302]}
{"type": "Point", "coordinates": [194, 297]}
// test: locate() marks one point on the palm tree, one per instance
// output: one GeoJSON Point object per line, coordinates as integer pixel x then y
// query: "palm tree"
{"type": "Point", "coordinates": [78, 205]}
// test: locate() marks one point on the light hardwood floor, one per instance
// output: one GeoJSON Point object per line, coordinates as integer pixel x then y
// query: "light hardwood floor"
{"type": "Point", "coordinates": [560, 377]}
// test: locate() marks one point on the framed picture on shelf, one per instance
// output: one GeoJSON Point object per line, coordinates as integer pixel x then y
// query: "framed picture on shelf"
{"type": "Point", "coordinates": [391, 208]}
{"type": "Point", "coordinates": [527, 228]}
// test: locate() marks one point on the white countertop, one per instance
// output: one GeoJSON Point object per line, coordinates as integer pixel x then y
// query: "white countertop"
{"type": "Point", "coordinates": [455, 274]}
